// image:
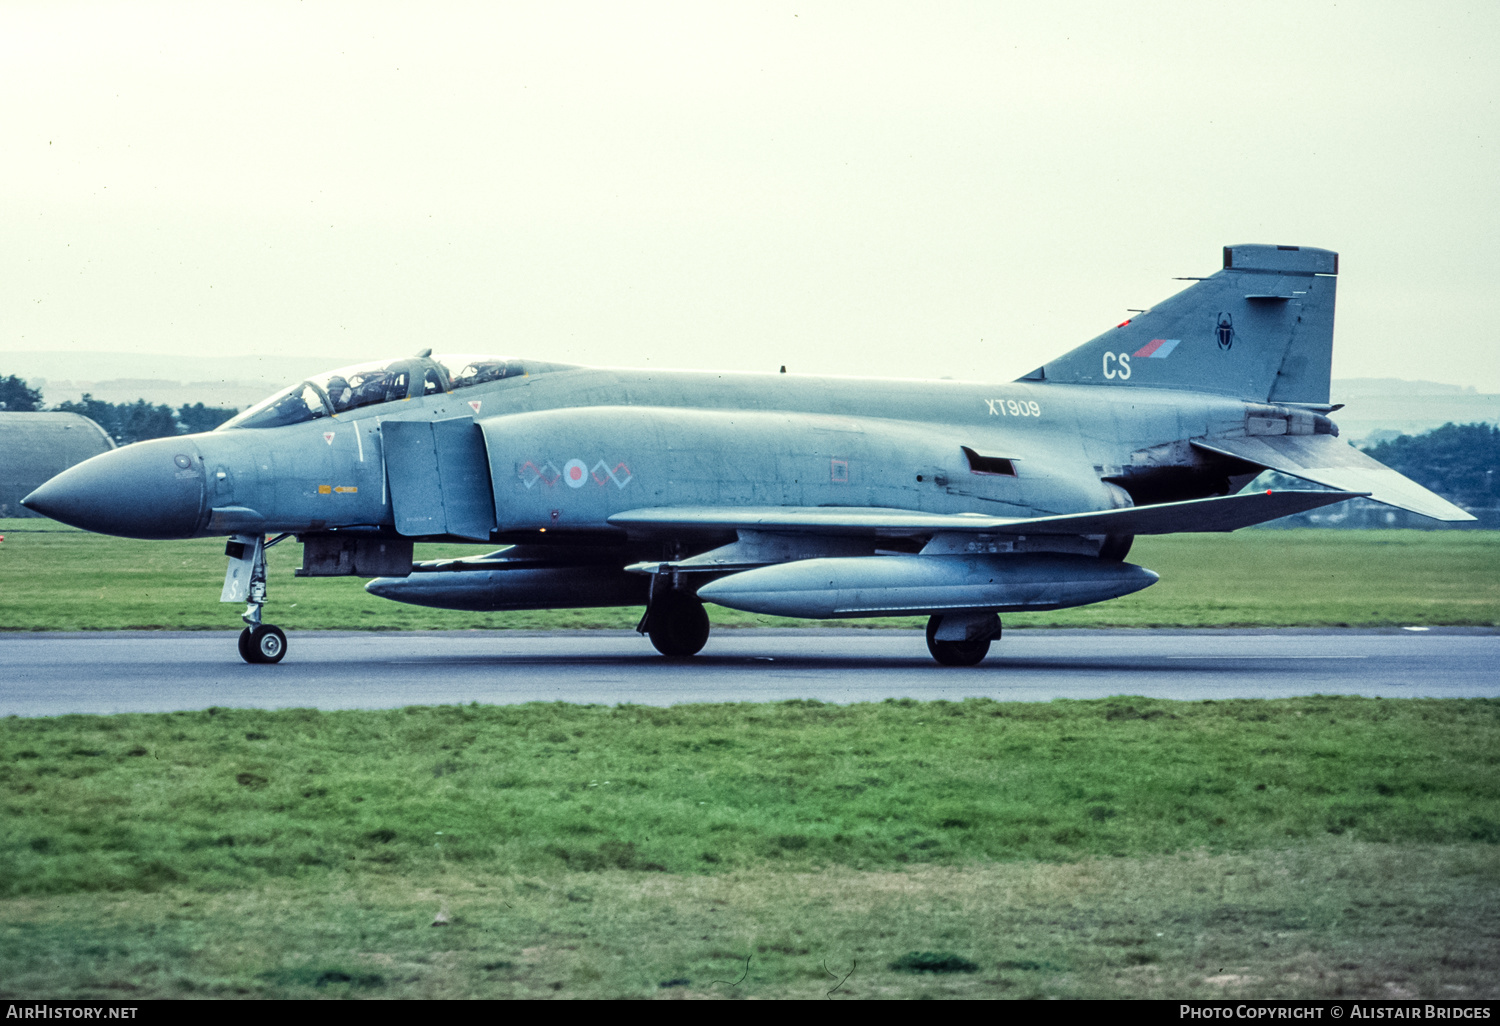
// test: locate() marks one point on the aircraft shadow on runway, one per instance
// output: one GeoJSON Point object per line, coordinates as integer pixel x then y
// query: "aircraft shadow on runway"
{"type": "Point", "coordinates": [1135, 665]}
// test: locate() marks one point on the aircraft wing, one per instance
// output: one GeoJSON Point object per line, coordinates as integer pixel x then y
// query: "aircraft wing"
{"type": "Point", "coordinates": [1325, 460]}
{"type": "Point", "coordinates": [1223, 513]}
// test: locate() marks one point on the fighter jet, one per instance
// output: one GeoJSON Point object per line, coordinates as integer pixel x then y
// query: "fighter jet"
{"type": "Point", "coordinates": [779, 494]}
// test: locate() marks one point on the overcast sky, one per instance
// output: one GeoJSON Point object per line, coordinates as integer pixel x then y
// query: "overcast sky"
{"type": "Point", "coordinates": [918, 189]}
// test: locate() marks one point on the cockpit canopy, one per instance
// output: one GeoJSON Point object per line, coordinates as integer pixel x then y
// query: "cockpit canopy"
{"type": "Point", "coordinates": [365, 384]}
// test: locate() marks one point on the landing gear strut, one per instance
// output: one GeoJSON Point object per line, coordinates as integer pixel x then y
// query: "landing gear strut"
{"type": "Point", "coordinates": [246, 581]}
{"type": "Point", "coordinates": [675, 620]}
{"type": "Point", "coordinates": [961, 639]}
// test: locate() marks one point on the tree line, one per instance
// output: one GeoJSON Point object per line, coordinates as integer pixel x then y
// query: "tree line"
{"type": "Point", "coordinates": [1461, 462]}
{"type": "Point", "coordinates": [124, 422]}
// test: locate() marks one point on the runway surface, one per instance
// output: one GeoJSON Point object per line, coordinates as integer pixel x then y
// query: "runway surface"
{"type": "Point", "coordinates": [156, 671]}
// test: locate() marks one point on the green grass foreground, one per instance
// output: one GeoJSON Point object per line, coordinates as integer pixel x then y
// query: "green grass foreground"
{"type": "Point", "coordinates": [222, 798]}
{"type": "Point", "coordinates": [1343, 919]}
{"type": "Point", "coordinates": [1127, 846]}
{"type": "Point", "coordinates": [55, 578]}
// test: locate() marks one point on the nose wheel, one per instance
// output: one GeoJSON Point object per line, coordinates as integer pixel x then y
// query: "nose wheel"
{"type": "Point", "coordinates": [245, 582]}
{"type": "Point", "coordinates": [262, 644]}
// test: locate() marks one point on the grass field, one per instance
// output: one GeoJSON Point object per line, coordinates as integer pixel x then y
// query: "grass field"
{"type": "Point", "coordinates": [1122, 847]}
{"type": "Point", "coordinates": [1316, 847]}
{"type": "Point", "coordinates": [1341, 919]}
{"type": "Point", "coordinates": [61, 579]}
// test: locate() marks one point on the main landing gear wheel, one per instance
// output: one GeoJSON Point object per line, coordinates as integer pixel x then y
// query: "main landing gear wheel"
{"type": "Point", "coordinates": [678, 626]}
{"type": "Point", "coordinates": [262, 644]}
{"type": "Point", "coordinates": [955, 653]}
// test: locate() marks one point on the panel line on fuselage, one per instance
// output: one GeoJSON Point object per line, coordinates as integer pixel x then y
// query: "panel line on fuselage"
{"type": "Point", "coordinates": [382, 466]}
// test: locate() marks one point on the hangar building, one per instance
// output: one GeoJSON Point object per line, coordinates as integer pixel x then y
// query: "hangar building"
{"type": "Point", "coordinates": [37, 446]}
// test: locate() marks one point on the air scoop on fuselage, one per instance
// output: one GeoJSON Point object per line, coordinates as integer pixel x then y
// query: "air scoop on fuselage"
{"type": "Point", "coordinates": [153, 489]}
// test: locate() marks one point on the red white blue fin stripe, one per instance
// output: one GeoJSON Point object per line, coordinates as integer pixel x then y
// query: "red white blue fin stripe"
{"type": "Point", "coordinates": [1157, 348]}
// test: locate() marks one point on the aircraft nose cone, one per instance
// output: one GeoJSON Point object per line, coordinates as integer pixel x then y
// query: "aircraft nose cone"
{"type": "Point", "coordinates": [150, 489]}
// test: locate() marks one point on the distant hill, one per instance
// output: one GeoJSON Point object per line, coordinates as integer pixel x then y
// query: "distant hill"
{"type": "Point", "coordinates": [1360, 387]}
{"type": "Point", "coordinates": [232, 381]}
{"type": "Point", "coordinates": [1378, 409]}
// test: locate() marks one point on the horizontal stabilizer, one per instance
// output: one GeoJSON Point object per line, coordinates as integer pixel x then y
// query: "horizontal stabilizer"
{"type": "Point", "coordinates": [1223, 513]}
{"type": "Point", "coordinates": [1325, 460]}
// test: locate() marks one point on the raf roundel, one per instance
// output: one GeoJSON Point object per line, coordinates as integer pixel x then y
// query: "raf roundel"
{"type": "Point", "coordinates": [575, 473]}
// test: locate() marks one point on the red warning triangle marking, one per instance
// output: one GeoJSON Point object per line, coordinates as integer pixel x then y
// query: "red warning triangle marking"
{"type": "Point", "coordinates": [474, 404]}
{"type": "Point", "coordinates": [328, 437]}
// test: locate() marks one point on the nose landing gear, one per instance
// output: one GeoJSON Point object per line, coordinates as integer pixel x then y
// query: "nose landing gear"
{"type": "Point", "coordinates": [245, 581]}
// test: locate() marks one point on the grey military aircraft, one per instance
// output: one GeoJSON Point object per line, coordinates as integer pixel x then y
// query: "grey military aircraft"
{"type": "Point", "coordinates": [774, 493]}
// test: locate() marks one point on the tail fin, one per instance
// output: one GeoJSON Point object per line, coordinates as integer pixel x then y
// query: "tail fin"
{"type": "Point", "coordinates": [1261, 330]}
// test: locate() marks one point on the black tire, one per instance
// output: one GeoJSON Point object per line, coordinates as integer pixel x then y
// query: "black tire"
{"type": "Point", "coordinates": [246, 652]}
{"type": "Point", "coordinates": [678, 626]}
{"type": "Point", "coordinates": [954, 653]}
{"type": "Point", "coordinates": [267, 644]}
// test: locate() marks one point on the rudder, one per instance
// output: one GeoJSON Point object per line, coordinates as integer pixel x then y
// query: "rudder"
{"type": "Point", "coordinates": [1260, 329]}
